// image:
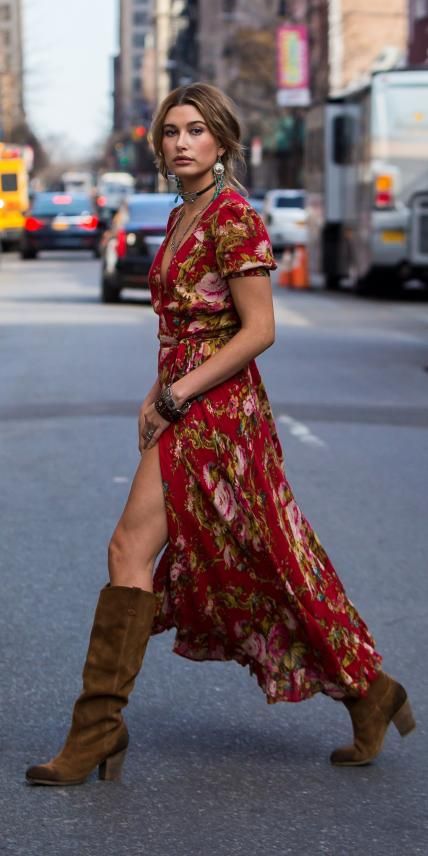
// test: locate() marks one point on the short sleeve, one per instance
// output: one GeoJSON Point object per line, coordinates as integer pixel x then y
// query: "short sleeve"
{"type": "Point", "coordinates": [242, 242]}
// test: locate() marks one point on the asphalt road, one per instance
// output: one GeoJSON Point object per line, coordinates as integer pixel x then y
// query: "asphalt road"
{"type": "Point", "coordinates": [212, 770]}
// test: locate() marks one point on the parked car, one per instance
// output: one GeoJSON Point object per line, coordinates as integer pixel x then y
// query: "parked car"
{"type": "Point", "coordinates": [285, 218]}
{"type": "Point", "coordinates": [60, 221]}
{"type": "Point", "coordinates": [130, 245]}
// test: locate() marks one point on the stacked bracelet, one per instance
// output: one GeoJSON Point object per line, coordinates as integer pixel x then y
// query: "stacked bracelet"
{"type": "Point", "coordinates": [167, 408]}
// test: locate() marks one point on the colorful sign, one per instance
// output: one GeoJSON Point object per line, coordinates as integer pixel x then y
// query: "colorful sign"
{"type": "Point", "coordinates": [293, 65]}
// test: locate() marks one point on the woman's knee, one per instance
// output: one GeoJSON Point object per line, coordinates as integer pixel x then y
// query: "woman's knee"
{"type": "Point", "coordinates": [117, 549]}
{"type": "Point", "coordinates": [126, 549]}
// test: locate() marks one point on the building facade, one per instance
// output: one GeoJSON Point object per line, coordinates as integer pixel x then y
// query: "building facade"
{"type": "Point", "coordinates": [135, 25]}
{"type": "Point", "coordinates": [237, 52]}
{"type": "Point", "coordinates": [11, 70]}
{"type": "Point", "coordinates": [363, 37]}
{"type": "Point", "coordinates": [183, 55]}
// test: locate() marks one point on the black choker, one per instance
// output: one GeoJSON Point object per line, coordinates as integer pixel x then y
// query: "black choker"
{"type": "Point", "coordinates": [192, 196]}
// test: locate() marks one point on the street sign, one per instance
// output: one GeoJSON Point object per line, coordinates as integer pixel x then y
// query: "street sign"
{"type": "Point", "coordinates": [292, 66]}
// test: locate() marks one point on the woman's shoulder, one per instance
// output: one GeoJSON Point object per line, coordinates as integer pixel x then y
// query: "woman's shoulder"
{"type": "Point", "coordinates": [233, 206]}
{"type": "Point", "coordinates": [231, 198]}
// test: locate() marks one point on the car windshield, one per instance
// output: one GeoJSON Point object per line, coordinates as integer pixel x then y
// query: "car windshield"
{"type": "Point", "coordinates": [60, 203]}
{"type": "Point", "coordinates": [296, 201]}
{"type": "Point", "coordinates": [115, 187]}
{"type": "Point", "coordinates": [151, 212]}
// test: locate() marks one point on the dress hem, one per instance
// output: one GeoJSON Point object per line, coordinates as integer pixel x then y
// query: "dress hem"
{"type": "Point", "coordinates": [333, 691]}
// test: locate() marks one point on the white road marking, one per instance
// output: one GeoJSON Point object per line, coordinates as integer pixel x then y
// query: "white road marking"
{"type": "Point", "coordinates": [287, 317]}
{"type": "Point", "coordinates": [301, 431]}
{"type": "Point", "coordinates": [22, 314]}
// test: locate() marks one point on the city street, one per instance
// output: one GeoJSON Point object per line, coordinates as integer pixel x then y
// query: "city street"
{"type": "Point", "coordinates": [211, 770]}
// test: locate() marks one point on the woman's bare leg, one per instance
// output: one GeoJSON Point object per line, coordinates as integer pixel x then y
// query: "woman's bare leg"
{"type": "Point", "coordinates": [142, 530]}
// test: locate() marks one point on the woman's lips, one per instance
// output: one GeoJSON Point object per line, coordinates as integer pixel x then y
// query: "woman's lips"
{"type": "Point", "coordinates": [183, 160]}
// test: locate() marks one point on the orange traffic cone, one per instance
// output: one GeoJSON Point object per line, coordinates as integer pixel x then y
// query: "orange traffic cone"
{"type": "Point", "coordinates": [299, 271]}
{"type": "Point", "coordinates": [285, 268]}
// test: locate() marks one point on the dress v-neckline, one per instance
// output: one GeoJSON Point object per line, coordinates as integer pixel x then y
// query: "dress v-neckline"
{"type": "Point", "coordinates": [174, 258]}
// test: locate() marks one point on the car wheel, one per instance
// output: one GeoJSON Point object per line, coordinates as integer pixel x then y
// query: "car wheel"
{"type": "Point", "coordinates": [28, 254]}
{"type": "Point", "coordinates": [108, 293]}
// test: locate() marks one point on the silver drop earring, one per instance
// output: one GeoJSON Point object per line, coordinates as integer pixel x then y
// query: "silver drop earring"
{"type": "Point", "coordinates": [218, 173]}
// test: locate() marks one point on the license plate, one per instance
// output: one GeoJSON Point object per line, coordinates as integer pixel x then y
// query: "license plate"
{"type": "Point", "coordinates": [60, 225]}
{"type": "Point", "coordinates": [393, 237]}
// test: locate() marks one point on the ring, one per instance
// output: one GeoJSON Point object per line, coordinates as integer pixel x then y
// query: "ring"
{"type": "Point", "coordinates": [149, 435]}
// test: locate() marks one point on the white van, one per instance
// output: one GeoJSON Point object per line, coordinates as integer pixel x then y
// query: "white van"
{"type": "Point", "coordinates": [285, 218]}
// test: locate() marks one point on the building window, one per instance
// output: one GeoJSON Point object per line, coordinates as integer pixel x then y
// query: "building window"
{"type": "Point", "coordinates": [136, 84]}
{"type": "Point", "coordinates": [140, 19]}
{"type": "Point", "coordinates": [9, 182]}
{"type": "Point", "coordinates": [4, 13]}
{"type": "Point", "coordinates": [138, 40]}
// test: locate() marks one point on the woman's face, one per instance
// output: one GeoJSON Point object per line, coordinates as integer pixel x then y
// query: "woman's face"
{"type": "Point", "coordinates": [189, 148]}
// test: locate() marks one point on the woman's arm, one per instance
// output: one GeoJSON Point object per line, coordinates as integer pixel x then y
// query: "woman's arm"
{"type": "Point", "coordinates": [252, 297]}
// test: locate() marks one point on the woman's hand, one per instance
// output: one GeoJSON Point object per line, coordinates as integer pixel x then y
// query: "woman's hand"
{"type": "Point", "coordinates": [150, 427]}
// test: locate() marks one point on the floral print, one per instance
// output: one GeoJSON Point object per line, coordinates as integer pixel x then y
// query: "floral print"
{"type": "Point", "coordinates": [243, 576]}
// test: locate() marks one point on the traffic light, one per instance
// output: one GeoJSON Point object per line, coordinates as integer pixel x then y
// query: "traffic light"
{"type": "Point", "coordinates": [138, 132]}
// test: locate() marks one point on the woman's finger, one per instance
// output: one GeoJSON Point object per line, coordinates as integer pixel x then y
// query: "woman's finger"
{"type": "Point", "coordinates": [149, 436]}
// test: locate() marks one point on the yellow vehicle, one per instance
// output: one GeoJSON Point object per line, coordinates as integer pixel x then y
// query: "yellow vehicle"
{"type": "Point", "coordinates": [13, 193]}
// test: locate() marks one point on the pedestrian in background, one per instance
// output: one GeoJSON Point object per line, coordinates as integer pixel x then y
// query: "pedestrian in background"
{"type": "Point", "coordinates": [243, 576]}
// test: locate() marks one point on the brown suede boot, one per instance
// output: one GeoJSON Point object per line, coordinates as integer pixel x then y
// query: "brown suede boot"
{"type": "Point", "coordinates": [385, 702]}
{"type": "Point", "coordinates": [98, 736]}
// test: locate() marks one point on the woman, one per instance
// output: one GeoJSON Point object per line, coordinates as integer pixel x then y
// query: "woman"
{"type": "Point", "coordinates": [243, 576]}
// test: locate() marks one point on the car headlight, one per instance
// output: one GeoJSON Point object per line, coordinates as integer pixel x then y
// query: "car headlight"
{"type": "Point", "coordinates": [131, 239]}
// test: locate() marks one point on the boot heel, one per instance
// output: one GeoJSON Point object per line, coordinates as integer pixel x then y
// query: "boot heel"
{"type": "Point", "coordinates": [404, 720]}
{"type": "Point", "coordinates": [111, 769]}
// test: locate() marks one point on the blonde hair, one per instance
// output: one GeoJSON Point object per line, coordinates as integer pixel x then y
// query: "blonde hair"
{"type": "Point", "coordinates": [218, 112]}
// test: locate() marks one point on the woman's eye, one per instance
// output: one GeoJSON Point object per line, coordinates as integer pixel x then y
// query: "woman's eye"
{"type": "Point", "coordinates": [169, 132]}
{"type": "Point", "coordinates": [197, 131]}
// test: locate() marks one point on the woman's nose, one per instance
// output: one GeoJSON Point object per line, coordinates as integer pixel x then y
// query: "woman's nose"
{"type": "Point", "coordinates": [181, 140]}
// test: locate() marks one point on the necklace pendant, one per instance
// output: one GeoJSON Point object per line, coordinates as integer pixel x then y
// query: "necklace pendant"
{"type": "Point", "coordinates": [190, 197]}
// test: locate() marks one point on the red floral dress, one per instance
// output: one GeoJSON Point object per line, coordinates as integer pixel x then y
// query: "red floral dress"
{"type": "Point", "coordinates": [243, 576]}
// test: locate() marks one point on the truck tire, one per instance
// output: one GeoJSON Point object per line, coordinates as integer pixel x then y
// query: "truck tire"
{"type": "Point", "coordinates": [380, 282]}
